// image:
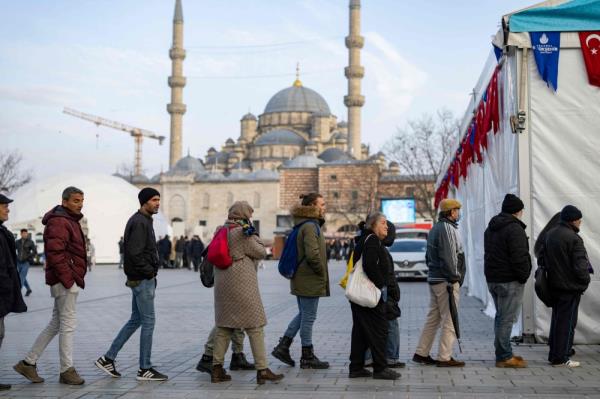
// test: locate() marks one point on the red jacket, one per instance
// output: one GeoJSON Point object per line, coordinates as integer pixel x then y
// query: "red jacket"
{"type": "Point", "coordinates": [64, 247]}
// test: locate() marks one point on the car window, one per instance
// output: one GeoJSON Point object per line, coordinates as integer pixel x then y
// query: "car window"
{"type": "Point", "coordinates": [411, 234]}
{"type": "Point", "coordinates": [409, 246]}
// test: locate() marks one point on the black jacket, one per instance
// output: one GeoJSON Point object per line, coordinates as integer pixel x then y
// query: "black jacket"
{"type": "Point", "coordinates": [374, 258]}
{"type": "Point", "coordinates": [141, 255]}
{"type": "Point", "coordinates": [11, 300]}
{"type": "Point", "coordinates": [164, 246]}
{"type": "Point", "coordinates": [26, 250]}
{"type": "Point", "coordinates": [197, 247]}
{"type": "Point", "coordinates": [506, 250]}
{"type": "Point", "coordinates": [566, 259]}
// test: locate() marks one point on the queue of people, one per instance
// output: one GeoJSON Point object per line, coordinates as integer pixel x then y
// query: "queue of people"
{"type": "Point", "coordinates": [238, 306]}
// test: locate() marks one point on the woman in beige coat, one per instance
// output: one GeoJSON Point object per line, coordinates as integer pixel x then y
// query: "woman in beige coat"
{"type": "Point", "coordinates": [237, 298]}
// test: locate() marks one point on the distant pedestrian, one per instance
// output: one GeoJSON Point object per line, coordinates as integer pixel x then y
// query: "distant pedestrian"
{"type": "Point", "coordinates": [121, 252]}
{"type": "Point", "coordinates": [26, 252]}
{"type": "Point", "coordinates": [90, 253]}
{"type": "Point", "coordinates": [11, 300]}
{"type": "Point", "coordinates": [164, 251]}
{"type": "Point", "coordinates": [569, 271]}
{"type": "Point", "coordinates": [507, 266]}
{"type": "Point", "coordinates": [238, 358]}
{"type": "Point", "coordinates": [196, 249]}
{"type": "Point", "coordinates": [446, 262]}
{"type": "Point", "coordinates": [141, 268]}
{"type": "Point", "coordinates": [337, 249]}
{"type": "Point", "coordinates": [65, 252]}
{"type": "Point", "coordinates": [370, 325]}
{"type": "Point", "coordinates": [237, 299]}
{"type": "Point", "coordinates": [187, 254]}
{"type": "Point", "coordinates": [179, 252]}
{"type": "Point", "coordinates": [310, 282]}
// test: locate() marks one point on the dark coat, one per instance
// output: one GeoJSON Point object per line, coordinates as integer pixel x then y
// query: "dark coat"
{"type": "Point", "coordinates": [11, 300]}
{"type": "Point", "coordinates": [566, 259]}
{"type": "Point", "coordinates": [164, 247]}
{"type": "Point", "coordinates": [506, 250]}
{"type": "Point", "coordinates": [197, 247]}
{"type": "Point", "coordinates": [374, 258]}
{"type": "Point", "coordinates": [26, 250]}
{"type": "Point", "coordinates": [64, 246]}
{"type": "Point", "coordinates": [180, 245]}
{"type": "Point", "coordinates": [141, 254]}
{"type": "Point", "coordinates": [312, 277]}
{"type": "Point", "coordinates": [393, 289]}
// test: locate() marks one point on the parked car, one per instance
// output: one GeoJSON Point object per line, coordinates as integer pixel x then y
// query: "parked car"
{"type": "Point", "coordinates": [411, 233]}
{"type": "Point", "coordinates": [409, 258]}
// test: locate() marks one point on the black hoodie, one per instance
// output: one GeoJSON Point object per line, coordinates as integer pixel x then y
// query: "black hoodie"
{"type": "Point", "coordinates": [506, 250]}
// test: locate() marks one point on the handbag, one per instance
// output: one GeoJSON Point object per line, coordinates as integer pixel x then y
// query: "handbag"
{"type": "Point", "coordinates": [360, 290]}
{"type": "Point", "coordinates": [344, 281]}
{"type": "Point", "coordinates": [218, 249]}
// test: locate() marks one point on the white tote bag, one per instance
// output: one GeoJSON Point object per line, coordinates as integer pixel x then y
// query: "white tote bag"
{"type": "Point", "coordinates": [360, 290]}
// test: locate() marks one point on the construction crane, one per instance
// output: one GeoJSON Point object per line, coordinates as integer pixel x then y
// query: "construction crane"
{"type": "Point", "coordinates": [137, 133]}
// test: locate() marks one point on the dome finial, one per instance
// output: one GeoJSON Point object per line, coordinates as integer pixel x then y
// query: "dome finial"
{"type": "Point", "coordinates": [297, 82]}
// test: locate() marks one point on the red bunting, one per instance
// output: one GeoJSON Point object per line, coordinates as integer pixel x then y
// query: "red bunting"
{"type": "Point", "coordinates": [590, 48]}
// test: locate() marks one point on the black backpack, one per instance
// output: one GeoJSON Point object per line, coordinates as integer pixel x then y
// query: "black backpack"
{"type": "Point", "coordinates": [542, 283]}
{"type": "Point", "coordinates": [207, 271]}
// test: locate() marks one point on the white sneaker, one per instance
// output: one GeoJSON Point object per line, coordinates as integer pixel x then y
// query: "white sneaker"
{"type": "Point", "coordinates": [569, 364]}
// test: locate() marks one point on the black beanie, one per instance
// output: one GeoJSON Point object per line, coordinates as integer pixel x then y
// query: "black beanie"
{"type": "Point", "coordinates": [512, 204]}
{"type": "Point", "coordinates": [570, 213]}
{"type": "Point", "coordinates": [146, 194]}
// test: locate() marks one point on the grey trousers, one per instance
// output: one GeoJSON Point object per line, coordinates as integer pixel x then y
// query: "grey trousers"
{"type": "Point", "coordinates": [237, 341]}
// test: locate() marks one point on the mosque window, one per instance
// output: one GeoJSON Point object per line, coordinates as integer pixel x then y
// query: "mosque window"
{"type": "Point", "coordinates": [354, 195]}
{"type": "Point", "coordinates": [336, 195]}
{"type": "Point", "coordinates": [333, 177]}
{"type": "Point", "coordinates": [206, 201]}
{"type": "Point", "coordinates": [409, 191]}
{"type": "Point", "coordinates": [202, 223]}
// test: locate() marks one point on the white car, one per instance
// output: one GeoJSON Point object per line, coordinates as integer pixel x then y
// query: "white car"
{"type": "Point", "coordinates": [411, 233]}
{"type": "Point", "coordinates": [409, 258]}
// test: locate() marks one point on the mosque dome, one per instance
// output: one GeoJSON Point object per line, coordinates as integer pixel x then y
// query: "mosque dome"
{"type": "Point", "coordinates": [303, 161]}
{"type": "Point", "coordinates": [188, 164]}
{"type": "Point", "coordinates": [297, 99]}
{"type": "Point", "coordinates": [249, 116]}
{"type": "Point", "coordinates": [334, 154]}
{"type": "Point", "coordinates": [281, 137]}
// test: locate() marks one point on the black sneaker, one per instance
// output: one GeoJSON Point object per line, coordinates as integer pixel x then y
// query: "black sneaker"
{"type": "Point", "coordinates": [108, 366]}
{"type": "Point", "coordinates": [150, 375]}
{"type": "Point", "coordinates": [426, 360]}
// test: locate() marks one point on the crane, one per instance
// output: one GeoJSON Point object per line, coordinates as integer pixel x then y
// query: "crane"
{"type": "Point", "coordinates": [137, 133]}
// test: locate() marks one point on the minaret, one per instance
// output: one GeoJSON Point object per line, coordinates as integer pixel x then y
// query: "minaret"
{"type": "Point", "coordinates": [354, 73]}
{"type": "Point", "coordinates": [176, 82]}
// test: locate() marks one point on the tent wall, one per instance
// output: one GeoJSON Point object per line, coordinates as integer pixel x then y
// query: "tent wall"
{"type": "Point", "coordinates": [564, 129]}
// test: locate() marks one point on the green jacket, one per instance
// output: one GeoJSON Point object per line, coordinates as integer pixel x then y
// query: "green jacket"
{"type": "Point", "coordinates": [312, 277]}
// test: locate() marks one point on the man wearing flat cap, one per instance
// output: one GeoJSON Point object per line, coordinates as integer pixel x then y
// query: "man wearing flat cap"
{"type": "Point", "coordinates": [446, 262]}
{"type": "Point", "coordinates": [507, 266]}
{"type": "Point", "coordinates": [141, 267]}
{"type": "Point", "coordinates": [569, 276]}
{"type": "Point", "coordinates": [11, 300]}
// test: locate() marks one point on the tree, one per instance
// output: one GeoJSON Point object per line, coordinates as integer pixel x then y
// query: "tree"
{"type": "Point", "coordinates": [421, 149]}
{"type": "Point", "coordinates": [11, 174]}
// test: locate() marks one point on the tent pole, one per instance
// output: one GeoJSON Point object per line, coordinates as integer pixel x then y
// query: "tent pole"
{"type": "Point", "coordinates": [525, 187]}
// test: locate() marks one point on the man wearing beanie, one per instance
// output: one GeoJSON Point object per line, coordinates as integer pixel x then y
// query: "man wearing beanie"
{"type": "Point", "coordinates": [141, 267]}
{"type": "Point", "coordinates": [507, 266]}
{"type": "Point", "coordinates": [446, 262]}
{"type": "Point", "coordinates": [569, 276]}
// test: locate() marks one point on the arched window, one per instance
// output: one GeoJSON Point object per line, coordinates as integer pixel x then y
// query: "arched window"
{"type": "Point", "coordinates": [177, 207]}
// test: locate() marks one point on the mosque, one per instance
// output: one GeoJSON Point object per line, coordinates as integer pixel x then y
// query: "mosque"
{"type": "Point", "coordinates": [296, 145]}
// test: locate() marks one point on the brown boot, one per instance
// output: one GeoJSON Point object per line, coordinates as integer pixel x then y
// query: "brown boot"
{"type": "Point", "coordinates": [70, 377]}
{"type": "Point", "coordinates": [218, 374]}
{"type": "Point", "coordinates": [514, 362]}
{"type": "Point", "coordinates": [265, 375]}
{"type": "Point", "coordinates": [450, 363]}
{"type": "Point", "coordinates": [28, 371]}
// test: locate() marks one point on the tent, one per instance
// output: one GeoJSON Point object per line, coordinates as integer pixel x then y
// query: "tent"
{"type": "Point", "coordinates": [544, 149]}
{"type": "Point", "coordinates": [109, 201]}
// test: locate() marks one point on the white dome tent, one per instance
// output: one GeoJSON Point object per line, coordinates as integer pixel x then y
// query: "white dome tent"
{"type": "Point", "coordinates": [109, 202]}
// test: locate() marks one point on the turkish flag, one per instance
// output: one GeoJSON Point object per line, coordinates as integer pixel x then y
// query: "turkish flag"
{"type": "Point", "coordinates": [590, 48]}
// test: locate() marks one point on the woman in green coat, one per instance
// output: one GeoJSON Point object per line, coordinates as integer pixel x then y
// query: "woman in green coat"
{"type": "Point", "coordinates": [310, 282]}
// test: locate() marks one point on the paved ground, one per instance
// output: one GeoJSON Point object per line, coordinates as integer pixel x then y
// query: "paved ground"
{"type": "Point", "coordinates": [185, 316]}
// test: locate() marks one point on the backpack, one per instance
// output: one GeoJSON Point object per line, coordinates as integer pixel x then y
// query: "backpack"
{"type": "Point", "coordinates": [542, 284]}
{"type": "Point", "coordinates": [207, 271]}
{"type": "Point", "coordinates": [218, 249]}
{"type": "Point", "coordinates": [288, 263]}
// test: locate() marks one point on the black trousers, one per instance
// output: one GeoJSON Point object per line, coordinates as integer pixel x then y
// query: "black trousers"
{"type": "Point", "coordinates": [369, 331]}
{"type": "Point", "coordinates": [562, 326]}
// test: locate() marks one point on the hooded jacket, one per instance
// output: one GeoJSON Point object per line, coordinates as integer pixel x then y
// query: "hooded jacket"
{"type": "Point", "coordinates": [566, 259]}
{"type": "Point", "coordinates": [312, 277]}
{"type": "Point", "coordinates": [445, 257]}
{"type": "Point", "coordinates": [11, 300]}
{"type": "Point", "coordinates": [506, 250]}
{"type": "Point", "coordinates": [64, 246]}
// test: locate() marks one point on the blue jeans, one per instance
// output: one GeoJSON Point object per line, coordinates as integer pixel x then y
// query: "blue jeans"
{"type": "Point", "coordinates": [142, 314]}
{"type": "Point", "coordinates": [304, 320]}
{"type": "Point", "coordinates": [23, 268]}
{"type": "Point", "coordinates": [508, 298]}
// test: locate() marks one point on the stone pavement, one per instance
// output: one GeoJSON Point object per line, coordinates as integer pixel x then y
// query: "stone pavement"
{"type": "Point", "coordinates": [185, 316]}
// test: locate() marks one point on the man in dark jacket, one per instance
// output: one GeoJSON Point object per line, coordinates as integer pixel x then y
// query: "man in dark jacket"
{"type": "Point", "coordinates": [569, 276]}
{"type": "Point", "coordinates": [446, 262]}
{"type": "Point", "coordinates": [179, 251]}
{"type": "Point", "coordinates": [196, 249]}
{"type": "Point", "coordinates": [11, 300]}
{"type": "Point", "coordinates": [66, 267]}
{"type": "Point", "coordinates": [310, 282]}
{"type": "Point", "coordinates": [141, 268]}
{"type": "Point", "coordinates": [164, 251]}
{"type": "Point", "coordinates": [26, 252]}
{"type": "Point", "coordinates": [507, 266]}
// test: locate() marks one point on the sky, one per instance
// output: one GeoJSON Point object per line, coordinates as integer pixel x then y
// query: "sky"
{"type": "Point", "coordinates": [110, 58]}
